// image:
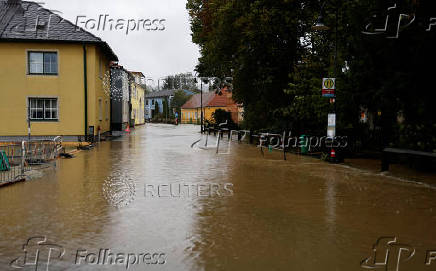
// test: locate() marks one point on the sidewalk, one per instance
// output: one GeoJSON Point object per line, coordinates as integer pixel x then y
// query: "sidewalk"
{"type": "Point", "coordinates": [396, 170]}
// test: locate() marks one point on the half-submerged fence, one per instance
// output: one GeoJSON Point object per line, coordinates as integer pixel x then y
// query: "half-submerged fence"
{"type": "Point", "coordinates": [18, 158]}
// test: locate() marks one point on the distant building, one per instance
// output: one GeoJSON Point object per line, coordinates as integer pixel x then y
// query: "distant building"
{"type": "Point", "coordinates": [154, 102]}
{"type": "Point", "coordinates": [53, 75]}
{"type": "Point", "coordinates": [137, 97]}
{"type": "Point", "coordinates": [191, 110]}
{"type": "Point", "coordinates": [120, 102]}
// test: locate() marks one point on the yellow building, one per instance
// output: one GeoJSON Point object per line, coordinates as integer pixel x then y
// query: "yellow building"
{"type": "Point", "coordinates": [137, 97]}
{"type": "Point", "coordinates": [56, 77]}
{"type": "Point", "coordinates": [191, 110]}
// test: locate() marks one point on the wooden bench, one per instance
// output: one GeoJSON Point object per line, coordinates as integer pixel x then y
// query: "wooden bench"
{"type": "Point", "coordinates": [388, 152]}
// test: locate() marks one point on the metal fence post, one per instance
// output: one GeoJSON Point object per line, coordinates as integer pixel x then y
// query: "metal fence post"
{"type": "Point", "coordinates": [23, 156]}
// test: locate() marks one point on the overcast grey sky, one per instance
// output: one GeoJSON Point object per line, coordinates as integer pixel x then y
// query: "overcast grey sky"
{"type": "Point", "coordinates": [155, 53]}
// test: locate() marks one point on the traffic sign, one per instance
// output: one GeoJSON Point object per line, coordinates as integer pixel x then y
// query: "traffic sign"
{"type": "Point", "coordinates": [328, 87]}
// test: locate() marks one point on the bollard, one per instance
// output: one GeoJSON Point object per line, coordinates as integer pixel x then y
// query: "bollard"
{"type": "Point", "coordinates": [207, 138]}
{"type": "Point", "coordinates": [284, 146]}
{"type": "Point", "coordinates": [23, 155]}
{"type": "Point", "coordinates": [218, 142]}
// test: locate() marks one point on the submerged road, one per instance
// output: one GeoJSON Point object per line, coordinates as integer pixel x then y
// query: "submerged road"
{"type": "Point", "coordinates": [157, 204]}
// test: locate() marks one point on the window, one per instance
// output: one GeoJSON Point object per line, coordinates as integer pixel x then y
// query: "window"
{"type": "Point", "coordinates": [43, 109]}
{"type": "Point", "coordinates": [45, 63]}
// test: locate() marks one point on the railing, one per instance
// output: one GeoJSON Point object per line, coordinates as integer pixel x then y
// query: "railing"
{"type": "Point", "coordinates": [42, 151]}
{"type": "Point", "coordinates": [11, 166]}
{"type": "Point", "coordinates": [283, 142]}
{"type": "Point", "coordinates": [18, 158]}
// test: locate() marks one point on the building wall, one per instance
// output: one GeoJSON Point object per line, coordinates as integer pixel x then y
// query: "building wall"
{"type": "Point", "coordinates": [120, 99]}
{"type": "Point", "coordinates": [16, 86]}
{"type": "Point", "coordinates": [194, 115]}
{"type": "Point", "coordinates": [99, 101]}
{"type": "Point", "coordinates": [137, 97]}
{"type": "Point", "coordinates": [150, 108]}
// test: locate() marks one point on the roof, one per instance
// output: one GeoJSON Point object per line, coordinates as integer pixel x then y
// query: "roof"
{"type": "Point", "coordinates": [29, 21]}
{"type": "Point", "coordinates": [161, 94]}
{"type": "Point", "coordinates": [140, 74]}
{"type": "Point", "coordinates": [210, 99]}
{"type": "Point", "coordinates": [195, 101]}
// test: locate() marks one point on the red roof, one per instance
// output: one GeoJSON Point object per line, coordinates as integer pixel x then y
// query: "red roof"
{"type": "Point", "coordinates": [195, 100]}
{"type": "Point", "coordinates": [210, 99]}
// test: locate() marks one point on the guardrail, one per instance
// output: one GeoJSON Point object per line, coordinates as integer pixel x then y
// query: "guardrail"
{"type": "Point", "coordinates": [18, 158]}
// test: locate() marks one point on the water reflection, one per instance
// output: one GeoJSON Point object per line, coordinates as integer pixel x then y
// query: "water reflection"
{"type": "Point", "coordinates": [300, 214]}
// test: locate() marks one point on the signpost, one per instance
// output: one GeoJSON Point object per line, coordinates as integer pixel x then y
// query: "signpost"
{"type": "Point", "coordinates": [329, 87]}
{"type": "Point", "coordinates": [331, 127]}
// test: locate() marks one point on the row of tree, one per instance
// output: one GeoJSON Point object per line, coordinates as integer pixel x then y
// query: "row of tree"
{"type": "Point", "coordinates": [381, 52]}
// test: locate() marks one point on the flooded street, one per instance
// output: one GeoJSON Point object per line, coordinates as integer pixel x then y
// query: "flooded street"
{"type": "Point", "coordinates": [299, 214]}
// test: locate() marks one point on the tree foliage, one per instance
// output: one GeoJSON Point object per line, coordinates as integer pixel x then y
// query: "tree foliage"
{"type": "Point", "coordinates": [179, 99]}
{"type": "Point", "coordinates": [180, 81]}
{"type": "Point", "coordinates": [277, 62]}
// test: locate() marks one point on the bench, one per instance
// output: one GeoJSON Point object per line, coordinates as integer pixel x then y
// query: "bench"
{"type": "Point", "coordinates": [388, 152]}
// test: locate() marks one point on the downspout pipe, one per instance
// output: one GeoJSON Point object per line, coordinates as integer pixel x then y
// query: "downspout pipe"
{"type": "Point", "coordinates": [85, 83]}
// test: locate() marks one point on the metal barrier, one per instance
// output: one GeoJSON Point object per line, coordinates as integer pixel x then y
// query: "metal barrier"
{"type": "Point", "coordinates": [18, 158]}
{"type": "Point", "coordinates": [42, 151]}
{"type": "Point", "coordinates": [11, 162]}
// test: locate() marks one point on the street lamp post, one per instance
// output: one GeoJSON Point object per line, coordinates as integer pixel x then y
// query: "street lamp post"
{"type": "Point", "coordinates": [320, 26]}
{"type": "Point", "coordinates": [201, 102]}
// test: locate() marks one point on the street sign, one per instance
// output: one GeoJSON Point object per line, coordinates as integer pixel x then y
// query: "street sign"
{"type": "Point", "coordinates": [331, 127]}
{"type": "Point", "coordinates": [328, 87]}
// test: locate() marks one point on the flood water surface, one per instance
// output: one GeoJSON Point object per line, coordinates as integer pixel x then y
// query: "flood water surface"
{"type": "Point", "coordinates": [162, 205]}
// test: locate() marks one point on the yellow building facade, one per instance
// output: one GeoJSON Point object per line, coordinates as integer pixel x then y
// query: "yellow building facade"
{"type": "Point", "coordinates": [54, 76]}
{"type": "Point", "coordinates": [193, 115]}
{"type": "Point", "coordinates": [137, 97]}
{"type": "Point", "coordinates": [56, 103]}
{"type": "Point", "coordinates": [211, 101]}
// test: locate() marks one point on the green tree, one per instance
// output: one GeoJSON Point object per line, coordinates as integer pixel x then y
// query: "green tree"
{"type": "Point", "coordinates": [179, 99]}
{"type": "Point", "coordinates": [277, 63]}
{"type": "Point", "coordinates": [222, 116]}
{"type": "Point", "coordinates": [183, 81]}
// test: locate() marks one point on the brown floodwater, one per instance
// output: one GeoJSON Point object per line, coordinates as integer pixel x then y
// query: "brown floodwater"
{"type": "Point", "coordinates": [299, 214]}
